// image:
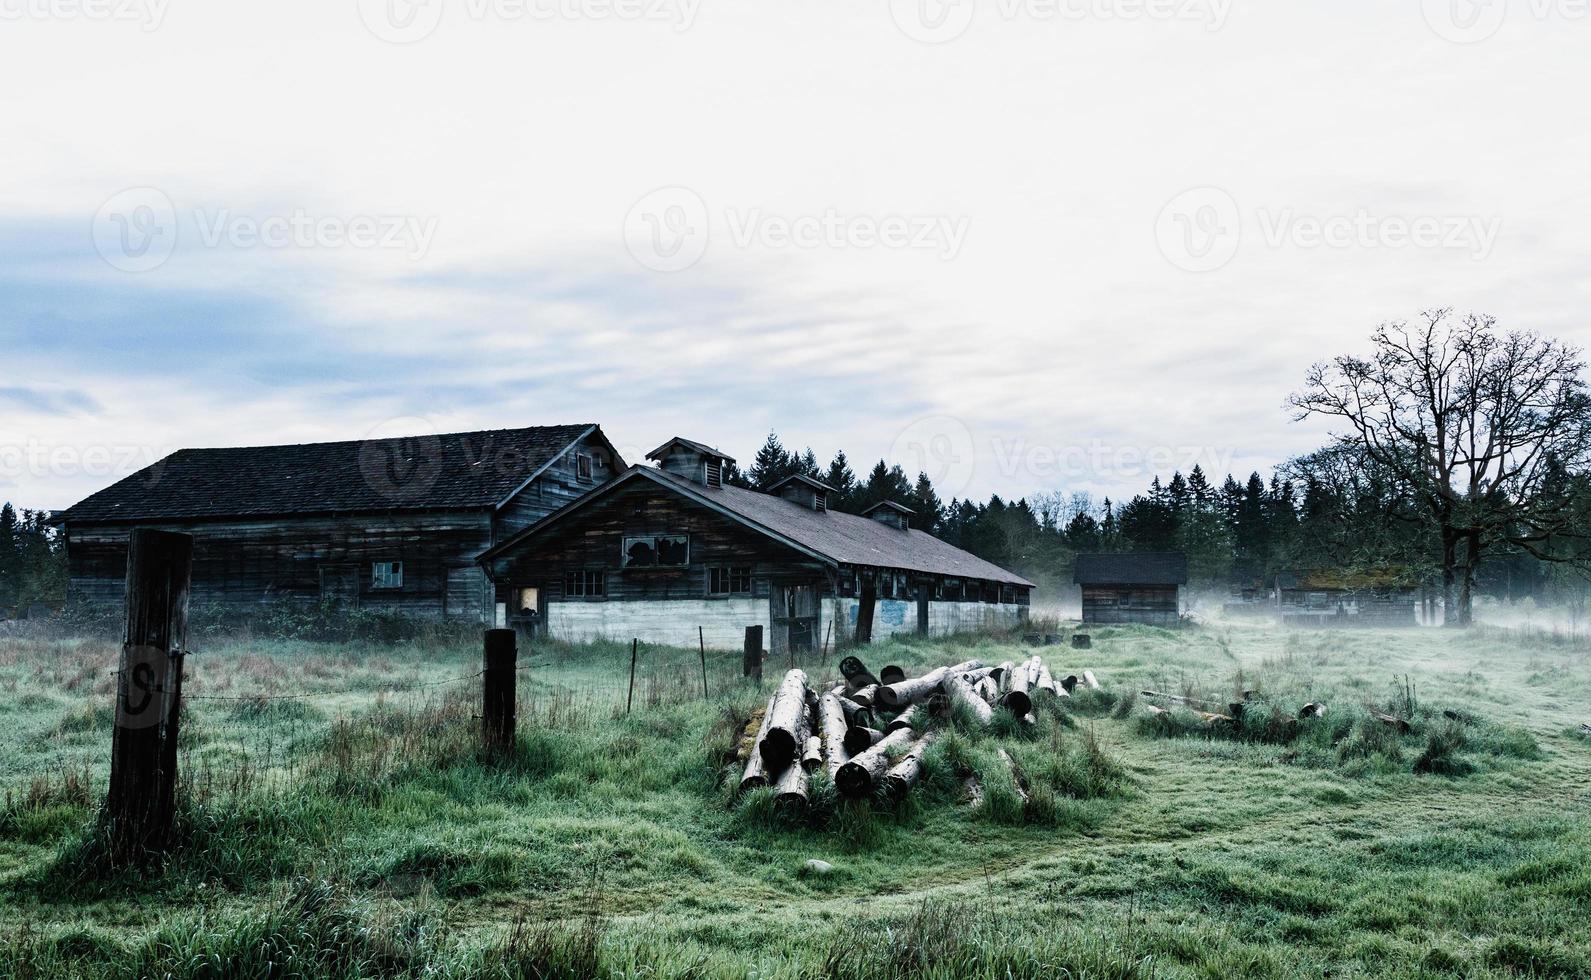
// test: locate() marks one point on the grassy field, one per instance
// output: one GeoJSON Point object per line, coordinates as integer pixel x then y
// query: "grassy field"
{"type": "Point", "coordinates": [355, 831]}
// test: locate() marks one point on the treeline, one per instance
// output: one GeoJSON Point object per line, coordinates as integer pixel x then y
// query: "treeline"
{"type": "Point", "coordinates": [32, 560]}
{"type": "Point", "coordinates": [1319, 511]}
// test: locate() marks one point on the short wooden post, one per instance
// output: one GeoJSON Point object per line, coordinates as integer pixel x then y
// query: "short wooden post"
{"type": "Point", "coordinates": [140, 807]}
{"type": "Point", "coordinates": [751, 658]}
{"type": "Point", "coordinates": [701, 643]}
{"type": "Point", "coordinates": [630, 699]}
{"type": "Point", "coordinates": [499, 681]}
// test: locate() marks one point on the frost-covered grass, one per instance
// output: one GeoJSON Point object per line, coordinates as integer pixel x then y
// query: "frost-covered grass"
{"type": "Point", "coordinates": [359, 832]}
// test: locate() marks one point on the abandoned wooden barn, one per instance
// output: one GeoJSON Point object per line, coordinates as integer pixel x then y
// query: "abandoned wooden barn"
{"type": "Point", "coordinates": [662, 551]}
{"type": "Point", "coordinates": [389, 524]}
{"type": "Point", "coordinates": [1132, 588]}
{"type": "Point", "coordinates": [1337, 597]}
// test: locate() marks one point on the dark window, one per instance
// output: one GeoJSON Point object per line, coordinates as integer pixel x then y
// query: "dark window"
{"type": "Point", "coordinates": [585, 585]}
{"type": "Point", "coordinates": [386, 575]}
{"type": "Point", "coordinates": [729, 580]}
{"type": "Point", "coordinates": [646, 550]}
{"type": "Point", "coordinates": [715, 473]}
{"type": "Point", "coordinates": [583, 466]}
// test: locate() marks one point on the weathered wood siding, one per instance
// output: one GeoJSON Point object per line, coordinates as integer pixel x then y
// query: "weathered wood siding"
{"type": "Point", "coordinates": [246, 563]}
{"type": "Point", "coordinates": [1157, 605]}
{"type": "Point", "coordinates": [560, 484]}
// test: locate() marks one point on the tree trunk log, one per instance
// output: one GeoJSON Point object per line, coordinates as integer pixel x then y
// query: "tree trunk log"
{"type": "Point", "coordinates": [1019, 779]}
{"type": "Point", "coordinates": [790, 789]}
{"type": "Point", "coordinates": [831, 717]}
{"type": "Point", "coordinates": [898, 696]}
{"type": "Point", "coordinates": [790, 722]}
{"type": "Point", "coordinates": [865, 697]}
{"type": "Point", "coordinates": [961, 693]}
{"type": "Point", "coordinates": [857, 777]}
{"type": "Point", "coordinates": [1015, 681]}
{"type": "Point", "coordinates": [858, 739]}
{"type": "Point", "coordinates": [912, 717]}
{"type": "Point", "coordinates": [904, 774]}
{"type": "Point", "coordinates": [756, 773]}
{"type": "Point", "coordinates": [1314, 709]}
{"type": "Point", "coordinates": [1090, 679]}
{"type": "Point", "coordinates": [812, 758]}
{"type": "Point", "coordinates": [1069, 684]}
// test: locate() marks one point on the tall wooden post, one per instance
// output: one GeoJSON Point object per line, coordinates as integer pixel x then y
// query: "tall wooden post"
{"type": "Point", "coordinates": [499, 681]}
{"type": "Point", "coordinates": [751, 657]}
{"type": "Point", "coordinates": [630, 698]}
{"type": "Point", "coordinates": [701, 643]}
{"type": "Point", "coordinates": [140, 806]}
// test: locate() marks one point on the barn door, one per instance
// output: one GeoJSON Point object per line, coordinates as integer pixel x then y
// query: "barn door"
{"type": "Point", "coordinates": [922, 609]}
{"type": "Point", "coordinates": [794, 617]}
{"type": "Point", "coordinates": [340, 583]}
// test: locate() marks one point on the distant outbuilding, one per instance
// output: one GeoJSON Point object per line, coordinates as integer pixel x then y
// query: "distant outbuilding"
{"type": "Point", "coordinates": [1132, 588]}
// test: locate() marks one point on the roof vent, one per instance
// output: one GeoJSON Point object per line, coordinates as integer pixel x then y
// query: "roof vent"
{"type": "Point", "coordinates": [693, 461]}
{"type": "Point", "coordinates": [804, 491]}
{"type": "Point", "coordinates": [891, 513]}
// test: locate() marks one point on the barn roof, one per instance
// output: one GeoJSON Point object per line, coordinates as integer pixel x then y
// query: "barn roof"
{"type": "Point", "coordinates": [839, 538]}
{"type": "Point", "coordinates": [1139, 568]}
{"type": "Point", "coordinates": [456, 471]}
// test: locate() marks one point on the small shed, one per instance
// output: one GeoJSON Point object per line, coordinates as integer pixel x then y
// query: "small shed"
{"type": "Point", "coordinates": [1336, 597]}
{"type": "Point", "coordinates": [1132, 588]}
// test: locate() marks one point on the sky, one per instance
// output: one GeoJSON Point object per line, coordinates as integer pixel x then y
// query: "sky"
{"type": "Point", "coordinates": [1025, 245]}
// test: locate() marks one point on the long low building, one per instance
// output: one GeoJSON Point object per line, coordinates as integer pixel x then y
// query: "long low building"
{"type": "Point", "coordinates": [663, 551]}
{"type": "Point", "coordinates": [387, 524]}
{"type": "Point", "coordinates": [1140, 587]}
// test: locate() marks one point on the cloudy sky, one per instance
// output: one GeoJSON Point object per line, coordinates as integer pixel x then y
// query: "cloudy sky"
{"type": "Point", "coordinates": [1054, 244]}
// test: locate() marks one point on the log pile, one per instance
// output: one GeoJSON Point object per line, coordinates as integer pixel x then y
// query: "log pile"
{"type": "Point", "coordinates": [870, 733]}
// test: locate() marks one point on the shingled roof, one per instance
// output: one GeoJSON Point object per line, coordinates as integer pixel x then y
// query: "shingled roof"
{"type": "Point", "coordinates": [1144, 568]}
{"type": "Point", "coordinates": [844, 539]}
{"type": "Point", "coordinates": [456, 471]}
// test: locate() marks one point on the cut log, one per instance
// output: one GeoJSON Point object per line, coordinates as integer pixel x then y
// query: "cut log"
{"type": "Point", "coordinates": [1069, 684]}
{"type": "Point", "coordinates": [1391, 721]}
{"type": "Point", "coordinates": [856, 673]}
{"type": "Point", "coordinates": [1019, 779]}
{"type": "Point", "coordinates": [831, 718]}
{"type": "Point", "coordinates": [1314, 709]}
{"type": "Point", "coordinates": [898, 696]}
{"type": "Point", "coordinates": [756, 773]}
{"type": "Point", "coordinates": [891, 674]}
{"type": "Point", "coordinates": [812, 758]}
{"type": "Point", "coordinates": [989, 690]}
{"type": "Point", "coordinates": [790, 789]}
{"type": "Point", "coordinates": [912, 717]}
{"type": "Point", "coordinates": [1015, 681]}
{"type": "Point", "coordinates": [790, 723]}
{"type": "Point", "coordinates": [974, 791]}
{"type": "Point", "coordinates": [1090, 679]}
{"type": "Point", "coordinates": [903, 775]}
{"type": "Point", "coordinates": [1179, 699]}
{"type": "Point", "coordinates": [864, 697]}
{"type": "Point", "coordinates": [962, 694]}
{"type": "Point", "coordinates": [858, 739]}
{"type": "Point", "coordinates": [857, 777]}
{"type": "Point", "coordinates": [1081, 641]}
{"type": "Point", "coordinates": [1002, 674]}
{"type": "Point", "coordinates": [1046, 680]}
{"type": "Point", "coordinates": [1585, 730]}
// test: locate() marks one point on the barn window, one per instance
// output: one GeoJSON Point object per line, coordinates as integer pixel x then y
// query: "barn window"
{"type": "Point", "coordinates": [583, 466]}
{"type": "Point", "coordinates": [386, 575]}
{"type": "Point", "coordinates": [715, 473]}
{"type": "Point", "coordinates": [647, 550]}
{"type": "Point", "coordinates": [729, 580]}
{"type": "Point", "coordinates": [585, 585]}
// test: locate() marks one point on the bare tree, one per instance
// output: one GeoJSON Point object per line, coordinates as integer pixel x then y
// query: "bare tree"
{"type": "Point", "coordinates": [1482, 430]}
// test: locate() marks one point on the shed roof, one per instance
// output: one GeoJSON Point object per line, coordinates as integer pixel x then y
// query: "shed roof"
{"type": "Point", "coordinates": [691, 444]}
{"type": "Point", "coordinates": [843, 539]}
{"type": "Point", "coordinates": [456, 471]}
{"type": "Point", "coordinates": [1137, 568]}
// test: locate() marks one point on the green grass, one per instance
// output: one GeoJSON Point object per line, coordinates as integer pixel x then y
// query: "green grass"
{"type": "Point", "coordinates": [361, 832]}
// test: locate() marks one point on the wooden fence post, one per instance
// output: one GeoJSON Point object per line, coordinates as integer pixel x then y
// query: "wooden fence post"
{"type": "Point", "coordinates": [701, 642]}
{"type": "Point", "coordinates": [751, 658]}
{"type": "Point", "coordinates": [498, 683]}
{"type": "Point", "coordinates": [630, 698]}
{"type": "Point", "coordinates": [140, 806]}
